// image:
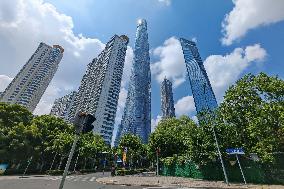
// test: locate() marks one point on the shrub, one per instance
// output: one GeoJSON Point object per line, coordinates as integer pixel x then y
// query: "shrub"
{"type": "Point", "coordinates": [20, 171]}
{"type": "Point", "coordinates": [55, 172]}
{"type": "Point", "coordinates": [87, 170]}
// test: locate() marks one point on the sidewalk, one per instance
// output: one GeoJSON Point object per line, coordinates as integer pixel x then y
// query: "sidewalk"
{"type": "Point", "coordinates": [162, 181]}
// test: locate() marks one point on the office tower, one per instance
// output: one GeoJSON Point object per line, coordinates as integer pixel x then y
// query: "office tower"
{"type": "Point", "coordinates": [118, 133]}
{"type": "Point", "coordinates": [137, 113]}
{"type": "Point", "coordinates": [31, 82]}
{"type": "Point", "coordinates": [203, 94]}
{"type": "Point", "coordinates": [61, 106]}
{"type": "Point", "coordinates": [99, 90]}
{"type": "Point", "coordinates": [167, 101]}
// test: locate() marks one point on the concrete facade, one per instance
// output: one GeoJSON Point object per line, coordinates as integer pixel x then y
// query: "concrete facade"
{"type": "Point", "coordinates": [30, 83]}
{"type": "Point", "coordinates": [100, 86]}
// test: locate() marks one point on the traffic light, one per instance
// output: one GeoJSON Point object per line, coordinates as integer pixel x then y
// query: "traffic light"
{"type": "Point", "coordinates": [87, 125]}
{"type": "Point", "coordinates": [83, 122]}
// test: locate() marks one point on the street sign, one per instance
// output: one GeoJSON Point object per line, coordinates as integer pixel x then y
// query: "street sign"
{"type": "Point", "coordinates": [118, 160]}
{"type": "Point", "coordinates": [235, 151]}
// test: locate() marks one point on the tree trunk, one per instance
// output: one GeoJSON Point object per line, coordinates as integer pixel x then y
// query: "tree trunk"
{"type": "Point", "coordinates": [18, 165]}
{"type": "Point", "coordinates": [85, 163]}
{"type": "Point", "coordinates": [94, 162]}
{"type": "Point", "coordinates": [60, 163]}
{"type": "Point", "coordinates": [53, 161]}
{"type": "Point", "coordinates": [76, 162]}
{"type": "Point", "coordinates": [41, 167]}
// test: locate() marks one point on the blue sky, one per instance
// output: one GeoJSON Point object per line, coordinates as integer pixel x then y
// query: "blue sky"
{"type": "Point", "coordinates": [234, 38]}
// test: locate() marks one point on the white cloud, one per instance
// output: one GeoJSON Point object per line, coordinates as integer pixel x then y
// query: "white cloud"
{"type": "Point", "coordinates": [166, 2]}
{"type": "Point", "coordinates": [127, 67]}
{"type": "Point", "coordinates": [250, 14]}
{"type": "Point", "coordinates": [47, 99]}
{"type": "Point", "coordinates": [4, 82]}
{"type": "Point", "coordinates": [171, 62]}
{"type": "Point", "coordinates": [155, 122]}
{"type": "Point", "coordinates": [225, 70]}
{"type": "Point", "coordinates": [25, 23]}
{"type": "Point", "coordinates": [185, 106]}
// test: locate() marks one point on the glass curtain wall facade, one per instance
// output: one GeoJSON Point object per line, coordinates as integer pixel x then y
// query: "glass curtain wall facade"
{"type": "Point", "coordinates": [30, 83]}
{"type": "Point", "coordinates": [99, 90]}
{"type": "Point", "coordinates": [203, 94]}
{"type": "Point", "coordinates": [167, 101]}
{"type": "Point", "coordinates": [137, 113]}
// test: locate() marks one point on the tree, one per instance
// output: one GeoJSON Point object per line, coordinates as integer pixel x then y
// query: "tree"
{"type": "Point", "coordinates": [134, 147]}
{"type": "Point", "coordinates": [15, 132]}
{"type": "Point", "coordinates": [172, 136]}
{"type": "Point", "coordinates": [254, 106]}
{"type": "Point", "coordinates": [90, 145]}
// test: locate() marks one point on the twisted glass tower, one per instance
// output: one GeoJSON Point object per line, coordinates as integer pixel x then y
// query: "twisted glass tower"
{"type": "Point", "coordinates": [167, 101]}
{"type": "Point", "coordinates": [137, 113]}
{"type": "Point", "coordinates": [203, 94]}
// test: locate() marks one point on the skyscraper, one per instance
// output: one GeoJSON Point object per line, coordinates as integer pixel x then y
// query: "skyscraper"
{"type": "Point", "coordinates": [61, 106]}
{"type": "Point", "coordinates": [167, 101]}
{"type": "Point", "coordinates": [137, 113]}
{"type": "Point", "coordinates": [203, 94]}
{"type": "Point", "coordinates": [118, 134]}
{"type": "Point", "coordinates": [31, 82]}
{"type": "Point", "coordinates": [99, 90]}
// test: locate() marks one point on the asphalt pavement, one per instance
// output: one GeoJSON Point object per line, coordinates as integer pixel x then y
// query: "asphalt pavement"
{"type": "Point", "coordinates": [87, 181]}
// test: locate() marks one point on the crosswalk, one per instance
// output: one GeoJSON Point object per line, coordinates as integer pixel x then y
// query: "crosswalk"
{"type": "Point", "coordinates": [73, 178]}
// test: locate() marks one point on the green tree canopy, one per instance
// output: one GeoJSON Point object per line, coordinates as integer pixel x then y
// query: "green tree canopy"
{"type": "Point", "coordinates": [254, 106]}
{"type": "Point", "coordinates": [172, 136]}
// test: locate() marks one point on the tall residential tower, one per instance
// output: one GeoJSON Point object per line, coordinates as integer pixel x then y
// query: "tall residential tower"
{"type": "Point", "coordinates": [31, 82]}
{"type": "Point", "coordinates": [137, 113]}
{"type": "Point", "coordinates": [99, 90]}
{"type": "Point", "coordinates": [61, 106]}
{"type": "Point", "coordinates": [203, 94]}
{"type": "Point", "coordinates": [167, 101]}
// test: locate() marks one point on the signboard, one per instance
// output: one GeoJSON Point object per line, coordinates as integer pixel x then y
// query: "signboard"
{"type": "Point", "coordinates": [235, 151]}
{"type": "Point", "coordinates": [119, 160]}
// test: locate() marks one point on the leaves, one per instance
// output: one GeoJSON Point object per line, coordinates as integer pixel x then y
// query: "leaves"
{"type": "Point", "coordinates": [23, 136]}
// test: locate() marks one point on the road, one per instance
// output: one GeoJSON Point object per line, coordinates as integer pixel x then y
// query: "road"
{"type": "Point", "coordinates": [87, 181]}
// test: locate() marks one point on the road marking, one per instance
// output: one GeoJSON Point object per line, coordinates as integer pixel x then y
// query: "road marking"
{"type": "Point", "coordinates": [77, 179]}
{"type": "Point", "coordinates": [55, 178]}
{"type": "Point", "coordinates": [85, 178]}
{"type": "Point", "coordinates": [69, 178]}
{"type": "Point", "coordinates": [92, 179]}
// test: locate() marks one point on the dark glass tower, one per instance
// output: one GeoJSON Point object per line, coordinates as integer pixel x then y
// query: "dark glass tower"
{"type": "Point", "coordinates": [203, 94]}
{"type": "Point", "coordinates": [167, 101]}
{"type": "Point", "coordinates": [137, 113]}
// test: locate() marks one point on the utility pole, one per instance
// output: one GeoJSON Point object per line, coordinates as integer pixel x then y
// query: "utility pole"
{"type": "Point", "coordinates": [83, 124]}
{"type": "Point", "coordinates": [68, 162]}
{"type": "Point", "coordinates": [220, 156]}
{"type": "Point", "coordinates": [241, 169]}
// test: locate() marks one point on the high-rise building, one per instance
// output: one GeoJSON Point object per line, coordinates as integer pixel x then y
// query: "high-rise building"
{"type": "Point", "coordinates": [61, 106]}
{"type": "Point", "coordinates": [118, 134]}
{"type": "Point", "coordinates": [100, 86]}
{"type": "Point", "coordinates": [31, 82]}
{"type": "Point", "coordinates": [137, 113]}
{"type": "Point", "coordinates": [167, 101]}
{"type": "Point", "coordinates": [203, 94]}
